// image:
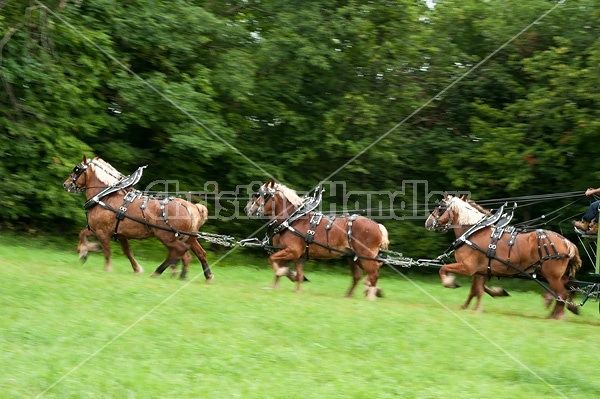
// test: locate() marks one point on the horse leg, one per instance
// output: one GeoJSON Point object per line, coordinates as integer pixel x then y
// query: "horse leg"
{"type": "Point", "coordinates": [278, 261]}
{"type": "Point", "coordinates": [174, 270]}
{"type": "Point", "coordinates": [161, 268]}
{"type": "Point", "coordinates": [105, 244]}
{"type": "Point", "coordinates": [185, 259]}
{"type": "Point", "coordinates": [477, 287]}
{"type": "Point", "coordinates": [84, 246]}
{"type": "Point", "coordinates": [556, 285]}
{"type": "Point", "coordinates": [137, 269]}
{"type": "Point", "coordinates": [571, 295]}
{"type": "Point", "coordinates": [177, 249]}
{"type": "Point", "coordinates": [372, 270]}
{"type": "Point", "coordinates": [356, 276]}
{"type": "Point", "coordinates": [201, 255]}
{"type": "Point", "coordinates": [570, 305]}
{"type": "Point", "coordinates": [300, 273]}
{"type": "Point", "coordinates": [448, 279]}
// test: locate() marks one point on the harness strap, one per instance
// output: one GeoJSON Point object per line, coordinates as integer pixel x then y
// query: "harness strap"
{"type": "Point", "coordinates": [546, 243]}
{"type": "Point", "coordinates": [310, 234]}
{"type": "Point", "coordinates": [314, 222]}
{"type": "Point", "coordinates": [511, 241]}
{"type": "Point", "coordinates": [493, 245]}
{"type": "Point", "coordinates": [142, 208]}
{"type": "Point", "coordinates": [163, 205]}
{"type": "Point", "coordinates": [351, 220]}
{"type": "Point", "coordinates": [328, 227]}
{"type": "Point", "coordinates": [330, 222]}
{"type": "Point", "coordinates": [120, 214]}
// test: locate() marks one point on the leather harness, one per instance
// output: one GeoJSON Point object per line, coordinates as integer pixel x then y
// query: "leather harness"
{"type": "Point", "coordinates": [546, 248]}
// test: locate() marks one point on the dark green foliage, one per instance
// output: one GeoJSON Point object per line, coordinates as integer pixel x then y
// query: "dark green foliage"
{"type": "Point", "coordinates": [239, 91]}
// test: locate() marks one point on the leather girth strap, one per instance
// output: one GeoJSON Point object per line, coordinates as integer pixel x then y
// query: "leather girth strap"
{"type": "Point", "coordinates": [120, 214]}
{"type": "Point", "coordinates": [310, 234]}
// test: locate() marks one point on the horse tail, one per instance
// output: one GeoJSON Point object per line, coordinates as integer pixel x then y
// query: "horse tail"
{"type": "Point", "coordinates": [574, 259]}
{"type": "Point", "coordinates": [203, 214]}
{"type": "Point", "coordinates": [385, 238]}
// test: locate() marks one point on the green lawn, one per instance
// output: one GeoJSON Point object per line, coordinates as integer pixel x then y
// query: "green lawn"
{"type": "Point", "coordinates": [73, 331]}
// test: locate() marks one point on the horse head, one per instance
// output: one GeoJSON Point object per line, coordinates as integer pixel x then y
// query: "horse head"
{"type": "Point", "coordinates": [262, 202]}
{"type": "Point", "coordinates": [273, 199]}
{"type": "Point", "coordinates": [454, 211]}
{"type": "Point", "coordinates": [441, 217]}
{"type": "Point", "coordinates": [77, 181]}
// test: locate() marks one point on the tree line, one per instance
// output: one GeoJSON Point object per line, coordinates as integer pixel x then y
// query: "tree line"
{"type": "Point", "coordinates": [497, 98]}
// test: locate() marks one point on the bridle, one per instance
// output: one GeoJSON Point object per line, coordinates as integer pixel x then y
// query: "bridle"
{"type": "Point", "coordinates": [78, 170]}
{"type": "Point", "coordinates": [265, 195]}
{"type": "Point", "coordinates": [441, 209]}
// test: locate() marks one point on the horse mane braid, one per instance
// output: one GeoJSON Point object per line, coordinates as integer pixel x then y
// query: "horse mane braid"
{"type": "Point", "coordinates": [105, 172]}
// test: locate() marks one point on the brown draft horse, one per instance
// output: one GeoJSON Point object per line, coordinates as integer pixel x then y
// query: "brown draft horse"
{"type": "Point", "coordinates": [543, 251]}
{"type": "Point", "coordinates": [359, 239]}
{"type": "Point", "coordinates": [173, 221]}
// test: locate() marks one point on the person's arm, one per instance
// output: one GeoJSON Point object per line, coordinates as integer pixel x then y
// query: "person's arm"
{"type": "Point", "coordinates": [592, 191]}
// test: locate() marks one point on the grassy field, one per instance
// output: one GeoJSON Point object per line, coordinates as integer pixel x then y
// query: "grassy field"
{"type": "Point", "coordinates": [73, 331]}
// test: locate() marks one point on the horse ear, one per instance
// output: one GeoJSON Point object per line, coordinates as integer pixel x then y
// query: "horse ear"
{"type": "Point", "coordinates": [84, 159]}
{"type": "Point", "coordinates": [270, 183]}
{"type": "Point", "coordinates": [446, 195]}
{"type": "Point", "coordinates": [463, 197]}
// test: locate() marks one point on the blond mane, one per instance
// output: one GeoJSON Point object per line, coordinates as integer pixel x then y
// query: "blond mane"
{"type": "Point", "coordinates": [105, 172]}
{"type": "Point", "coordinates": [288, 195]}
{"type": "Point", "coordinates": [467, 215]}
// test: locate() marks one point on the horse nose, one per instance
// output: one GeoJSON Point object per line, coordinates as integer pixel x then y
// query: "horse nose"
{"type": "Point", "coordinates": [429, 224]}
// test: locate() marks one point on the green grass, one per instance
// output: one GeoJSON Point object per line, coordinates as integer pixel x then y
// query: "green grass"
{"type": "Point", "coordinates": [73, 331]}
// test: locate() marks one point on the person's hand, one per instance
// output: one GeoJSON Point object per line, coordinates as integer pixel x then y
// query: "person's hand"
{"type": "Point", "coordinates": [589, 191]}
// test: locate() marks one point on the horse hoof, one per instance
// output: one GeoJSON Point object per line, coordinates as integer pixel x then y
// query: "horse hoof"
{"type": "Point", "coordinates": [574, 309]}
{"type": "Point", "coordinates": [210, 278]}
{"type": "Point", "coordinates": [282, 271]}
{"type": "Point", "coordinates": [450, 282]}
{"type": "Point", "coordinates": [154, 274]}
{"type": "Point", "coordinates": [498, 291]}
{"type": "Point", "coordinates": [452, 285]}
